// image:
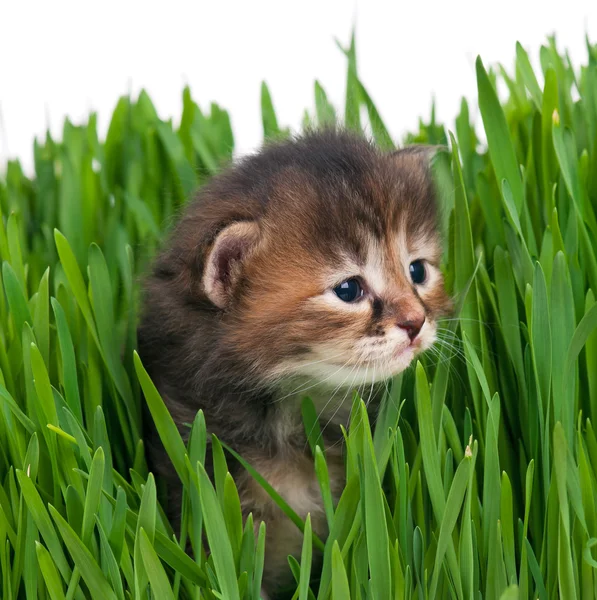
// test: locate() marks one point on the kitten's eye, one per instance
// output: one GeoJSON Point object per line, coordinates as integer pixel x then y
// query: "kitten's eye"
{"type": "Point", "coordinates": [349, 290]}
{"type": "Point", "coordinates": [417, 272]}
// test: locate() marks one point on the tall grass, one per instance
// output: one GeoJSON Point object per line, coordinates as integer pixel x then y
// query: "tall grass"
{"type": "Point", "coordinates": [480, 477]}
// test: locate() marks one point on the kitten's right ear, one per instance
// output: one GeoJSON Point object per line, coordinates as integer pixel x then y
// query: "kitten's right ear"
{"type": "Point", "coordinates": [231, 248]}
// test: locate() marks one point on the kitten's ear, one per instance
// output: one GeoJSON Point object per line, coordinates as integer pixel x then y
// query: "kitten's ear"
{"type": "Point", "coordinates": [223, 264]}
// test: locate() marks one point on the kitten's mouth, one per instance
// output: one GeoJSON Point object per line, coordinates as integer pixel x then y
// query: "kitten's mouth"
{"type": "Point", "coordinates": [401, 353]}
{"type": "Point", "coordinates": [373, 367]}
{"type": "Point", "coordinates": [412, 346]}
{"type": "Point", "coordinates": [398, 354]}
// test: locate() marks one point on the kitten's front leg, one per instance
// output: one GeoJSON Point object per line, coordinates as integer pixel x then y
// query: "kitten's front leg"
{"type": "Point", "coordinates": [292, 475]}
{"type": "Point", "coordinates": [282, 539]}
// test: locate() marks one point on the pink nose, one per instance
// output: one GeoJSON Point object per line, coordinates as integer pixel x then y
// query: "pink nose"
{"type": "Point", "coordinates": [412, 327]}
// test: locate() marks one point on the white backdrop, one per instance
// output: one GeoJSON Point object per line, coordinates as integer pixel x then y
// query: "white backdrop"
{"type": "Point", "coordinates": [66, 57]}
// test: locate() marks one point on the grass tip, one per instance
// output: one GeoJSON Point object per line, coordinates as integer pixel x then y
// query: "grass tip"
{"type": "Point", "coordinates": [555, 117]}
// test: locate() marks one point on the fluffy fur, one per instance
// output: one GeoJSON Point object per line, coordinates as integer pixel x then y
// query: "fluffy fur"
{"type": "Point", "coordinates": [240, 317]}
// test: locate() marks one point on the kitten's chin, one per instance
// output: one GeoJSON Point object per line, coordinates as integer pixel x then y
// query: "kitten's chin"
{"type": "Point", "coordinates": [338, 376]}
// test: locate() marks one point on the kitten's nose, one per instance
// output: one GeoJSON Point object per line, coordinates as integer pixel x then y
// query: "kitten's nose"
{"type": "Point", "coordinates": [412, 326]}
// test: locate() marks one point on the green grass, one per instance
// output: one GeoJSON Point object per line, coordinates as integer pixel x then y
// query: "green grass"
{"type": "Point", "coordinates": [486, 448]}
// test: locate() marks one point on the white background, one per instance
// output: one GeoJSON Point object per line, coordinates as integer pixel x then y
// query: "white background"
{"type": "Point", "coordinates": [62, 57]}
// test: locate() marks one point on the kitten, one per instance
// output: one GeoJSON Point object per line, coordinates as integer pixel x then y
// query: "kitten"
{"type": "Point", "coordinates": [311, 268]}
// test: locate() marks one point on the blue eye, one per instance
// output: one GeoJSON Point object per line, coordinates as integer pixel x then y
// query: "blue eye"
{"type": "Point", "coordinates": [349, 290]}
{"type": "Point", "coordinates": [417, 272]}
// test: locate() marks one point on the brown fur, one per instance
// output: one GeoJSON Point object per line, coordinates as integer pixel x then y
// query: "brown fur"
{"type": "Point", "coordinates": [326, 206]}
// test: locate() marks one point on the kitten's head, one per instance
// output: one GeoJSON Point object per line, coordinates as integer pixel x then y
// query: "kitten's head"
{"type": "Point", "coordinates": [322, 259]}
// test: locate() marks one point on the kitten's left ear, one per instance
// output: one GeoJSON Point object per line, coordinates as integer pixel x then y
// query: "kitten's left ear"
{"type": "Point", "coordinates": [231, 248]}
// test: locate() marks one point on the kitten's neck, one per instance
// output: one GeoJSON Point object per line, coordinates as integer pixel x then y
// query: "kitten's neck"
{"type": "Point", "coordinates": [270, 415]}
{"type": "Point", "coordinates": [332, 404]}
